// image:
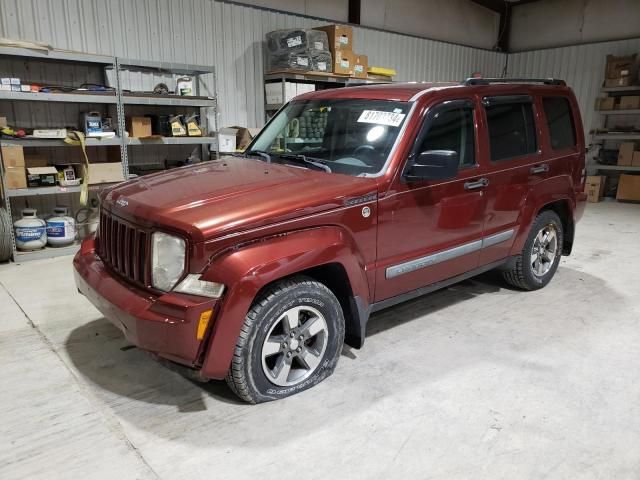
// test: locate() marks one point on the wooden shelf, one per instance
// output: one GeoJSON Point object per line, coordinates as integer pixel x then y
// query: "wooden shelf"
{"type": "Point", "coordinates": [616, 136]}
{"type": "Point", "coordinates": [618, 167]}
{"type": "Point", "coordinates": [631, 88]}
{"type": "Point", "coordinates": [620, 112]}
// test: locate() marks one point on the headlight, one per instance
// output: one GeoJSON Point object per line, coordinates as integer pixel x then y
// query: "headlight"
{"type": "Point", "coordinates": [168, 254]}
{"type": "Point", "coordinates": [193, 285]}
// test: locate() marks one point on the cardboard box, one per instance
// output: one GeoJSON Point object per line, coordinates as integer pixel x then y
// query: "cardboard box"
{"type": "Point", "coordinates": [340, 37]}
{"type": "Point", "coordinates": [110, 172]}
{"type": "Point", "coordinates": [305, 88]}
{"type": "Point", "coordinates": [35, 160]}
{"type": "Point", "coordinates": [12, 156]}
{"type": "Point", "coordinates": [343, 63]}
{"type": "Point", "coordinates": [619, 67]}
{"type": "Point", "coordinates": [629, 188]}
{"type": "Point", "coordinates": [605, 103]}
{"type": "Point", "coordinates": [15, 177]}
{"type": "Point", "coordinates": [42, 176]}
{"type": "Point", "coordinates": [273, 92]}
{"type": "Point", "coordinates": [360, 66]}
{"type": "Point", "coordinates": [227, 139]}
{"type": "Point", "coordinates": [594, 188]}
{"type": "Point", "coordinates": [625, 153]}
{"type": "Point", "coordinates": [629, 102]}
{"type": "Point", "coordinates": [244, 136]}
{"type": "Point", "coordinates": [139, 127]}
{"type": "Point", "coordinates": [635, 161]}
{"type": "Point", "coordinates": [618, 82]}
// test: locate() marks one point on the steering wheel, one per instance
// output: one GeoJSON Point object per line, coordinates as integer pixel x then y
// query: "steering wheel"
{"type": "Point", "coordinates": [365, 153]}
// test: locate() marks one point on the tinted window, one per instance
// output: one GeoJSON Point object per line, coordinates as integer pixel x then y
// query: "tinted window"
{"type": "Point", "coordinates": [452, 129]}
{"type": "Point", "coordinates": [559, 122]}
{"type": "Point", "coordinates": [511, 130]}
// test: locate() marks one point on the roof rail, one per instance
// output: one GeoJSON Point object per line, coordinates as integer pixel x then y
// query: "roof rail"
{"type": "Point", "coordinates": [487, 81]}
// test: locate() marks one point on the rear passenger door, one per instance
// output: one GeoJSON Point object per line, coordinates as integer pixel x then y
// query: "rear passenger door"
{"type": "Point", "coordinates": [514, 161]}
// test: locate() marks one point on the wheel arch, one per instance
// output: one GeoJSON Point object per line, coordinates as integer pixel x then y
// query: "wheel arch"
{"type": "Point", "coordinates": [562, 208]}
{"type": "Point", "coordinates": [539, 200]}
{"type": "Point", "coordinates": [326, 254]}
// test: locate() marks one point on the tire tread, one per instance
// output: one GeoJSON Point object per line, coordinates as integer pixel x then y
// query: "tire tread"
{"type": "Point", "coordinates": [236, 377]}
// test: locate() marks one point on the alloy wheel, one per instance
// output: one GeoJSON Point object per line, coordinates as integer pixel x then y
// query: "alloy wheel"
{"type": "Point", "coordinates": [294, 346]}
{"type": "Point", "coordinates": [544, 250]}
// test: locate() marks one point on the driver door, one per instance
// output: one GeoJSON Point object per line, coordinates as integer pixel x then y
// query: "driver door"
{"type": "Point", "coordinates": [431, 230]}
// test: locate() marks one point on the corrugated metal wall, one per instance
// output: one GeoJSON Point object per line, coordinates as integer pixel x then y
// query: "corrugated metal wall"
{"type": "Point", "coordinates": [582, 66]}
{"type": "Point", "coordinates": [225, 35]}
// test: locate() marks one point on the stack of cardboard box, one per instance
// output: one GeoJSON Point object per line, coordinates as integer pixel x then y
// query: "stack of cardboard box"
{"type": "Point", "coordinates": [621, 71]}
{"type": "Point", "coordinates": [628, 155]}
{"type": "Point", "coordinates": [345, 61]}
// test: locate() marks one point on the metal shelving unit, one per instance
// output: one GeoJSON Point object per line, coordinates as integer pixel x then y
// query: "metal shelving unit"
{"type": "Point", "coordinates": [126, 98]}
{"type": "Point", "coordinates": [611, 137]}
{"type": "Point", "coordinates": [118, 97]}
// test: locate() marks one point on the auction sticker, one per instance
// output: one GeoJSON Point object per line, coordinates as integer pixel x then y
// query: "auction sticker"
{"type": "Point", "coordinates": [381, 118]}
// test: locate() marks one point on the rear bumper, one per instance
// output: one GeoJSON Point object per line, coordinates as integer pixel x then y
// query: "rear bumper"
{"type": "Point", "coordinates": [165, 325]}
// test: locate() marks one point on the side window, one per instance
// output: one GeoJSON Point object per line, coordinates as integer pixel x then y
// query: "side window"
{"type": "Point", "coordinates": [452, 129]}
{"type": "Point", "coordinates": [512, 131]}
{"type": "Point", "coordinates": [562, 131]}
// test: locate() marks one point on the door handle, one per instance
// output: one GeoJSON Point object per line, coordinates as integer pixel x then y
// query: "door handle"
{"type": "Point", "coordinates": [483, 182]}
{"type": "Point", "coordinates": [540, 169]}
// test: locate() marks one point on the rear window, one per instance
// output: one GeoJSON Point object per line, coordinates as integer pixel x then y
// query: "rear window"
{"type": "Point", "coordinates": [512, 130]}
{"type": "Point", "coordinates": [562, 132]}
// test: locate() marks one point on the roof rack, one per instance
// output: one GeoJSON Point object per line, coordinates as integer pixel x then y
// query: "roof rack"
{"type": "Point", "coordinates": [487, 81]}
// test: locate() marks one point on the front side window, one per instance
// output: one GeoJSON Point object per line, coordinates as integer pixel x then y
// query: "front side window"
{"type": "Point", "coordinates": [452, 129]}
{"type": "Point", "coordinates": [512, 130]}
{"type": "Point", "coordinates": [348, 136]}
{"type": "Point", "coordinates": [562, 132]}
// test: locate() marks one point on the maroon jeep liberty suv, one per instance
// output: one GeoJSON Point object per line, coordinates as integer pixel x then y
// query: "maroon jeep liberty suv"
{"type": "Point", "coordinates": [257, 267]}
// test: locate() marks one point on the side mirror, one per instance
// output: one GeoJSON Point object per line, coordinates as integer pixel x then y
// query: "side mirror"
{"type": "Point", "coordinates": [434, 165]}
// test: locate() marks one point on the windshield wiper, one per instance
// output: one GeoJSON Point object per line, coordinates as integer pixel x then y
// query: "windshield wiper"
{"type": "Point", "coordinates": [303, 159]}
{"type": "Point", "coordinates": [259, 153]}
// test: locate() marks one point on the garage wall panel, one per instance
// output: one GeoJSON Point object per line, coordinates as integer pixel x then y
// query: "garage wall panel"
{"type": "Point", "coordinates": [581, 66]}
{"type": "Point", "coordinates": [228, 36]}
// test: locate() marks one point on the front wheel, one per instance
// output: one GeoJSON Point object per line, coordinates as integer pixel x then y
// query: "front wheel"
{"type": "Point", "coordinates": [290, 341]}
{"type": "Point", "coordinates": [537, 263]}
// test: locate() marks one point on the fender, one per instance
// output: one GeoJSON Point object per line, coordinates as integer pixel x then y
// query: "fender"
{"type": "Point", "coordinates": [250, 268]}
{"type": "Point", "coordinates": [547, 191]}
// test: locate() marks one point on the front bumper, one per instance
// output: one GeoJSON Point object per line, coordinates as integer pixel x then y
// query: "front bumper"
{"type": "Point", "coordinates": [165, 325]}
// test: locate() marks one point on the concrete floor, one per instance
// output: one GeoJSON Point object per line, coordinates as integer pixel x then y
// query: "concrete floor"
{"type": "Point", "coordinates": [476, 381]}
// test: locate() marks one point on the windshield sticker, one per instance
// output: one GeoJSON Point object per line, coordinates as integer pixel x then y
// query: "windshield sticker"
{"type": "Point", "coordinates": [303, 61]}
{"type": "Point", "coordinates": [318, 45]}
{"type": "Point", "coordinates": [322, 66]}
{"type": "Point", "coordinates": [392, 119]}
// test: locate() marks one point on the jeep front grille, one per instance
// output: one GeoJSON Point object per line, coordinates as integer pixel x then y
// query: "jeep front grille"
{"type": "Point", "coordinates": [125, 248]}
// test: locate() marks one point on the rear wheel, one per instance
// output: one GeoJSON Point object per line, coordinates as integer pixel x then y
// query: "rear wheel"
{"type": "Point", "coordinates": [290, 341]}
{"type": "Point", "coordinates": [537, 263]}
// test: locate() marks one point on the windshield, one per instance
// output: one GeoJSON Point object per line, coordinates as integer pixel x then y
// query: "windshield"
{"type": "Point", "coordinates": [349, 136]}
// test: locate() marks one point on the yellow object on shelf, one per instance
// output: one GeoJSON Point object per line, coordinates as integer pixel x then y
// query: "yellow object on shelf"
{"type": "Point", "coordinates": [389, 72]}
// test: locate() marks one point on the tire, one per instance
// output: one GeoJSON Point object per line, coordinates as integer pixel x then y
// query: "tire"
{"type": "Point", "coordinates": [536, 265]}
{"type": "Point", "coordinates": [274, 358]}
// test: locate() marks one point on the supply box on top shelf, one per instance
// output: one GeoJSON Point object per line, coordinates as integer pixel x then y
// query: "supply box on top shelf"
{"type": "Point", "coordinates": [621, 71]}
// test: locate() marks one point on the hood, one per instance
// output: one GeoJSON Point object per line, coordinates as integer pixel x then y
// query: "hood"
{"type": "Point", "coordinates": [231, 194]}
